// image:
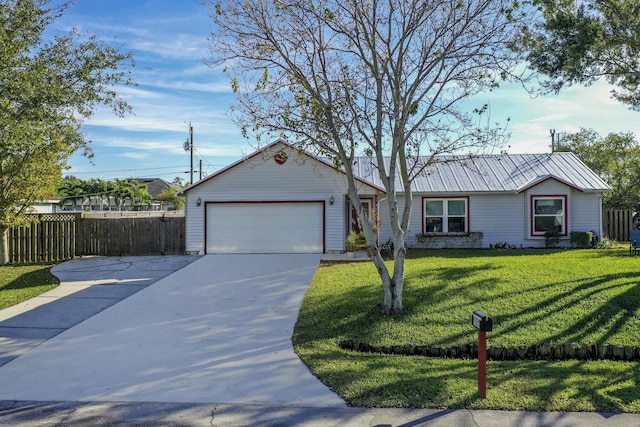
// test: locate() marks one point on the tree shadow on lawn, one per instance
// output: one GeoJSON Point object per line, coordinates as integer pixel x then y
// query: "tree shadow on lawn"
{"type": "Point", "coordinates": [366, 379]}
{"type": "Point", "coordinates": [376, 380]}
{"type": "Point", "coordinates": [31, 279]}
{"type": "Point", "coordinates": [355, 312]}
{"type": "Point", "coordinates": [563, 305]}
{"type": "Point", "coordinates": [569, 311]}
{"type": "Point", "coordinates": [578, 325]}
{"type": "Point", "coordinates": [574, 385]}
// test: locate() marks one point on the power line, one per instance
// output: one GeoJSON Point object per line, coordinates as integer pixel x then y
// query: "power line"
{"type": "Point", "coordinates": [148, 124]}
{"type": "Point", "coordinates": [120, 170]}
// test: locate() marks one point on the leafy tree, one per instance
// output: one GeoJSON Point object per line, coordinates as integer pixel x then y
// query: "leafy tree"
{"type": "Point", "coordinates": [95, 192]}
{"type": "Point", "coordinates": [47, 87]}
{"type": "Point", "coordinates": [170, 195]}
{"type": "Point", "coordinates": [380, 77]}
{"type": "Point", "coordinates": [82, 193]}
{"type": "Point", "coordinates": [583, 41]}
{"type": "Point", "coordinates": [98, 192]}
{"type": "Point", "coordinates": [130, 189]}
{"type": "Point", "coordinates": [616, 158]}
{"type": "Point", "coordinates": [178, 181]}
{"type": "Point", "coordinates": [71, 189]}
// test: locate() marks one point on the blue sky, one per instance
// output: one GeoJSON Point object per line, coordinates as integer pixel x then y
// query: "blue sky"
{"type": "Point", "coordinates": [169, 41]}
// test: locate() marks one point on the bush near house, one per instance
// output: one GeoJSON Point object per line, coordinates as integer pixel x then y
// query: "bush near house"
{"type": "Point", "coordinates": [536, 297]}
{"type": "Point", "coordinates": [580, 239]}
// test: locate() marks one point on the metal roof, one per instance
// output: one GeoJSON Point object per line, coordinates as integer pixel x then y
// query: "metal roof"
{"type": "Point", "coordinates": [492, 173]}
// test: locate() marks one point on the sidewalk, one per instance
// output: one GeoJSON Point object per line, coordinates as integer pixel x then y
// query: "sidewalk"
{"type": "Point", "coordinates": [220, 415]}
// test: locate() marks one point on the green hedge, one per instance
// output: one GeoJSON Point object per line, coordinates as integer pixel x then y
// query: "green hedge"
{"type": "Point", "coordinates": [544, 351]}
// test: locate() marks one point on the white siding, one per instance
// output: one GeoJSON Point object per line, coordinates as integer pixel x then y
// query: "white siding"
{"type": "Point", "coordinates": [415, 221]}
{"type": "Point", "coordinates": [260, 178]}
{"type": "Point", "coordinates": [505, 217]}
{"type": "Point", "coordinates": [486, 214]}
{"type": "Point", "coordinates": [586, 213]}
{"type": "Point", "coordinates": [501, 217]}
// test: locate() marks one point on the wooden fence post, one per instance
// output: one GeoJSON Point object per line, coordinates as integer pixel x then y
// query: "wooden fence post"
{"type": "Point", "coordinates": [617, 223]}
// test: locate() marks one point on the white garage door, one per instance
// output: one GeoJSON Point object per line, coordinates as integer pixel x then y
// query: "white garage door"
{"type": "Point", "coordinates": [292, 227]}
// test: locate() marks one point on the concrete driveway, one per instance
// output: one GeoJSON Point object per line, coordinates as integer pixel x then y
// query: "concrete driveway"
{"type": "Point", "coordinates": [217, 330]}
{"type": "Point", "coordinates": [87, 287]}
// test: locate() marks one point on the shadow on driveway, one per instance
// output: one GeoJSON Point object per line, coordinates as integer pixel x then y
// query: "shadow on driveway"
{"type": "Point", "coordinates": [217, 330]}
{"type": "Point", "coordinates": [87, 287]}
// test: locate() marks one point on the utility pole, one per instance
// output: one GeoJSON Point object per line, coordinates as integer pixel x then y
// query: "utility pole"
{"type": "Point", "coordinates": [200, 168]}
{"type": "Point", "coordinates": [191, 144]}
{"type": "Point", "coordinates": [552, 132]}
{"type": "Point", "coordinates": [188, 146]}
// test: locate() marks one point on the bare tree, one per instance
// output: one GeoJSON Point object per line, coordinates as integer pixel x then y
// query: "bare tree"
{"type": "Point", "coordinates": [380, 78]}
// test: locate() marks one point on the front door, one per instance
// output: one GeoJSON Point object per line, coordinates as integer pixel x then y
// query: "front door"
{"type": "Point", "coordinates": [355, 224]}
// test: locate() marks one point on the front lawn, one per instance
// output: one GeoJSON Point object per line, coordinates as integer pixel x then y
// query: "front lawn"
{"type": "Point", "coordinates": [20, 283]}
{"type": "Point", "coordinates": [537, 296]}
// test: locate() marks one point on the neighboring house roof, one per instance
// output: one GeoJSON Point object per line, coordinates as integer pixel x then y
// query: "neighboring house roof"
{"type": "Point", "coordinates": [499, 173]}
{"type": "Point", "coordinates": [155, 186]}
{"type": "Point", "coordinates": [48, 201]}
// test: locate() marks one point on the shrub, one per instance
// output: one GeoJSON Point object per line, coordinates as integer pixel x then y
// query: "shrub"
{"type": "Point", "coordinates": [607, 244]}
{"type": "Point", "coordinates": [580, 239]}
{"type": "Point", "coordinates": [352, 242]}
{"type": "Point", "coordinates": [387, 248]}
{"type": "Point", "coordinates": [470, 240]}
{"type": "Point", "coordinates": [551, 239]}
{"type": "Point", "coordinates": [502, 245]}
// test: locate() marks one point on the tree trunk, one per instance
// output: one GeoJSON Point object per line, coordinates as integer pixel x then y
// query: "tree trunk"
{"type": "Point", "coordinates": [392, 285]}
{"type": "Point", "coordinates": [388, 285]}
{"type": "Point", "coordinates": [398, 279]}
{"type": "Point", "coordinates": [4, 245]}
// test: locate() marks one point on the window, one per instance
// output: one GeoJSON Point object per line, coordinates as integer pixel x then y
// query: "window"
{"type": "Point", "coordinates": [549, 214]}
{"type": "Point", "coordinates": [445, 215]}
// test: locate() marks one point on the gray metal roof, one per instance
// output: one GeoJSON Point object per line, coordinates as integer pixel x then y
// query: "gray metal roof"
{"type": "Point", "coordinates": [493, 173]}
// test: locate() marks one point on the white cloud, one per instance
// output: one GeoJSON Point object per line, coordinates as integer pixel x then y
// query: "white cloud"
{"type": "Point", "coordinates": [574, 108]}
{"type": "Point", "coordinates": [135, 155]}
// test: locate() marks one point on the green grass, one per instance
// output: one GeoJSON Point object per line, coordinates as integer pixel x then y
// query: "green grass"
{"type": "Point", "coordinates": [20, 283]}
{"type": "Point", "coordinates": [583, 296]}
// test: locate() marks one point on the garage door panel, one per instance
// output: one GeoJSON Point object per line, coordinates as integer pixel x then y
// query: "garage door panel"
{"type": "Point", "coordinates": [295, 227]}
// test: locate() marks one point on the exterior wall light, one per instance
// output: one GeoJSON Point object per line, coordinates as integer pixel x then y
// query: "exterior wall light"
{"type": "Point", "coordinates": [331, 200]}
{"type": "Point", "coordinates": [199, 201]}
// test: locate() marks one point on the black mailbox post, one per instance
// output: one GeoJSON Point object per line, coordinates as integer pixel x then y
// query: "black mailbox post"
{"type": "Point", "coordinates": [483, 324]}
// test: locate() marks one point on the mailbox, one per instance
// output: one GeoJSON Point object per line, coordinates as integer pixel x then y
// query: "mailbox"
{"type": "Point", "coordinates": [483, 324]}
{"type": "Point", "coordinates": [481, 321]}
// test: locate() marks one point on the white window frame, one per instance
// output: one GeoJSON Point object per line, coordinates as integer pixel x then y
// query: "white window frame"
{"type": "Point", "coordinates": [562, 215]}
{"type": "Point", "coordinates": [445, 214]}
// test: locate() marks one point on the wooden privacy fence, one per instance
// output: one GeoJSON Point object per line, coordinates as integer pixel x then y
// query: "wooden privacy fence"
{"type": "Point", "coordinates": [616, 224]}
{"type": "Point", "coordinates": [50, 238]}
{"type": "Point", "coordinates": [58, 237]}
{"type": "Point", "coordinates": [131, 236]}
